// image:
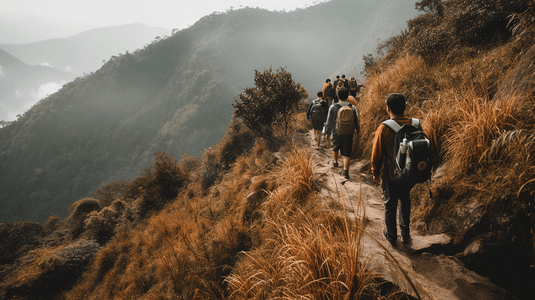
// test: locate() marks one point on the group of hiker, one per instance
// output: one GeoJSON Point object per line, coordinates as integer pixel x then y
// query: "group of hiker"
{"type": "Point", "coordinates": [334, 114]}
{"type": "Point", "coordinates": [400, 152]}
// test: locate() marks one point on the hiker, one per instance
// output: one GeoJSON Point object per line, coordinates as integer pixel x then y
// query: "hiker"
{"type": "Point", "coordinates": [381, 168]}
{"type": "Point", "coordinates": [346, 83]}
{"type": "Point", "coordinates": [335, 85]}
{"type": "Point", "coordinates": [317, 113]}
{"type": "Point", "coordinates": [328, 91]}
{"type": "Point", "coordinates": [342, 122]}
{"type": "Point", "coordinates": [353, 87]}
{"type": "Point", "coordinates": [339, 85]}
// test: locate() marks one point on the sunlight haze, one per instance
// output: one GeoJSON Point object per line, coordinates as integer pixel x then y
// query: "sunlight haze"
{"type": "Point", "coordinates": [24, 21]}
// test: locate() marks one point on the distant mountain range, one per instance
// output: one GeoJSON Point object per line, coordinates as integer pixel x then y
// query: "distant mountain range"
{"type": "Point", "coordinates": [29, 72]}
{"type": "Point", "coordinates": [21, 85]}
{"type": "Point", "coordinates": [84, 52]}
{"type": "Point", "coordinates": [174, 95]}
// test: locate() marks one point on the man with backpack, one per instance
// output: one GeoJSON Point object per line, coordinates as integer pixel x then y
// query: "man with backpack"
{"type": "Point", "coordinates": [400, 159]}
{"type": "Point", "coordinates": [342, 121]}
{"type": "Point", "coordinates": [328, 92]}
{"type": "Point", "coordinates": [317, 113]}
{"type": "Point", "coordinates": [345, 81]}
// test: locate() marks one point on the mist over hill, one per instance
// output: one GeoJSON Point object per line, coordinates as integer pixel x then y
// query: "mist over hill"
{"type": "Point", "coordinates": [44, 67]}
{"type": "Point", "coordinates": [174, 95]}
{"type": "Point", "coordinates": [21, 85]}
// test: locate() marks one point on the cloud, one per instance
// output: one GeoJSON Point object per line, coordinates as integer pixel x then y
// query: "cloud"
{"type": "Point", "coordinates": [2, 72]}
{"type": "Point", "coordinates": [23, 100]}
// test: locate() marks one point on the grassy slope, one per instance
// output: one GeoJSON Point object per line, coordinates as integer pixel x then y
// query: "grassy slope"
{"type": "Point", "coordinates": [476, 102]}
{"type": "Point", "coordinates": [179, 238]}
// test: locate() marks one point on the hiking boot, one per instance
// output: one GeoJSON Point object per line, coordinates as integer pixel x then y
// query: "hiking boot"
{"type": "Point", "coordinates": [345, 173]}
{"type": "Point", "coordinates": [335, 164]}
{"type": "Point", "coordinates": [391, 241]}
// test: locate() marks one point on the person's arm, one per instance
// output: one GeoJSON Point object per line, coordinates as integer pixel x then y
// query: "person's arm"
{"type": "Point", "coordinates": [377, 154]}
{"type": "Point", "coordinates": [329, 124]}
{"type": "Point", "coordinates": [309, 109]}
{"type": "Point", "coordinates": [356, 121]}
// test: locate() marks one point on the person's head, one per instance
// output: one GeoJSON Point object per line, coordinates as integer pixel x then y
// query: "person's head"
{"type": "Point", "coordinates": [343, 93]}
{"type": "Point", "coordinates": [337, 76]}
{"type": "Point", "coordinates": [340, 83]}
{"type": "Point", "coordinates": [396, 102]}
{"type": "Point", "coordinates": [320, 94]}
{"type": "Point", "coordinates": [327, 80]}
{"type": "Point", "coordinates": [343, 76]}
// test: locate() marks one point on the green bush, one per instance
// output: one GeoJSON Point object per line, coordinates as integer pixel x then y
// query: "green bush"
{"type": "Point", "coordinates": [273, 102]}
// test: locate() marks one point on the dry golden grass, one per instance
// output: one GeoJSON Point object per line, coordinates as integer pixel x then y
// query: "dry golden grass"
{"type": "Point", "coordinates": [309, 252]}
{"type": "Point", "coordinates": [478, 111]}
{"type": "Point", "coordinates": [186, 249]}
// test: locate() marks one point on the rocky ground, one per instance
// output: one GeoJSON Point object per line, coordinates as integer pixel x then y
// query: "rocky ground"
{"type": "Point", "coordinates": [420, 268]}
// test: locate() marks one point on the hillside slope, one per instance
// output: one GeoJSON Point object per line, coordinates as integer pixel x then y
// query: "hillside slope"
{"type": "Point", "coordinates": [173, 95]}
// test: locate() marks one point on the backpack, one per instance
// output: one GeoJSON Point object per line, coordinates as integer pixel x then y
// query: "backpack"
{"type": "Point", "coordinates": [412, 155]}
{"type": "Point", "coordinates": [316, 112]}
{"type": "Point", "coordinates": [344, 120]}
{"type": "Point", "coordinates": [353, 85]}
{"type": "Point", "coordinates": [329, 91]}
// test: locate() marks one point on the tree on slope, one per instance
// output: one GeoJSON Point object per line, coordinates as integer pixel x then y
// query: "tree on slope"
{"type": "Point", "coordinates": [272, 102]}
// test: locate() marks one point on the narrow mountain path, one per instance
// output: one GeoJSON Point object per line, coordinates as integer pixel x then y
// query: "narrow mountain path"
{"type": "Point", "coordinates": [417, 268]}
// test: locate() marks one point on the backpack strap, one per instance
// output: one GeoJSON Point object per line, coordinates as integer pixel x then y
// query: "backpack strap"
{"type": "Point", "coordinates": [393, 125]}
{"type": "Point", "coordinates": [396, 127]}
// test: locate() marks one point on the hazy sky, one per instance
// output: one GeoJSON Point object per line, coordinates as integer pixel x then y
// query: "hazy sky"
{"type": "Point", "coordinates": [79, 15]}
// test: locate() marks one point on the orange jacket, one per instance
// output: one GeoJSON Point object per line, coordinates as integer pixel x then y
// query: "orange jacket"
{"type": "Point", "coordinates": [323, 89]}
{"type": "Point", "coordinates": [383, 147]}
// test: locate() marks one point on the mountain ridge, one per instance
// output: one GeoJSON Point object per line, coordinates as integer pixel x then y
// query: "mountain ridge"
{"type": "Point", "coordinates": [84, 52]}
{"type": "Point", "coordinates": [174, 95]}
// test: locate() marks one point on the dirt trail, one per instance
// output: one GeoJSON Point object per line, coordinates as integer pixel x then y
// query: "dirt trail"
{"type": "Point", "coordinates": [431, 276]}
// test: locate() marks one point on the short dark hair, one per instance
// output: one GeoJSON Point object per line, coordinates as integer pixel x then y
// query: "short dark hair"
{"type": "Point", "coordinates": [343, 93]}
{"type": "Point", "coordinates": [343, 76]}
{"type": "Point", "coordinates": [327, 80]}
{"type": "Point", "coordinates": [320, 94]}
{"type": "Point", "coordinates": [396, 102]}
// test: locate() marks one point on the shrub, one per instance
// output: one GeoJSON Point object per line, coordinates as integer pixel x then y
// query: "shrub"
{"type": "Point", "coordinates": [460, 28]}
{"type": "Point", "coordinates": [273, 102]}
{"type": "Point", "coordinates": [17, 238]}
{"type": "Point", "coordinates": [159, 184]}
{"type": "Point", "coordinates": [108, 192]}
{"type": "Point", "coordinates": [237, 140]}
{"type": "Point", "coordinates": [101, 225]}
{"type": "Point", "coordinates": [79, 211]}
{"type": "Point", "coordinates": [50, 271]}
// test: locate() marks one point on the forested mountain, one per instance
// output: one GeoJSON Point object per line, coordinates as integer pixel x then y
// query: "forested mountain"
{"type": "Point", "coordinates": [84, 52]}
{"type": "Point", "coordinates": [20, 83]}
{"type": "Point", "coordinates": [173, 95]}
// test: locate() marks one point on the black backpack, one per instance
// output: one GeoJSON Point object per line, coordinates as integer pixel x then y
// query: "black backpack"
{"type": "Point", "coordinates": [411, 165]}
{"type": "Point", "coordinates": [316, 113]}
{"type": "Point", "coordinates": [329, 91]}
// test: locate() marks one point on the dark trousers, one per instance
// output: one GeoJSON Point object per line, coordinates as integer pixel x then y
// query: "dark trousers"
{"type": "Point", "coordinates": [394, 192]}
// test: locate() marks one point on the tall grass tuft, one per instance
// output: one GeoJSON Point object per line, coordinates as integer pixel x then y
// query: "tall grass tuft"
{"type": "Point", "coordinates": [308, 253]}
{"type": "Point", "coordinates": [478, 122]}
